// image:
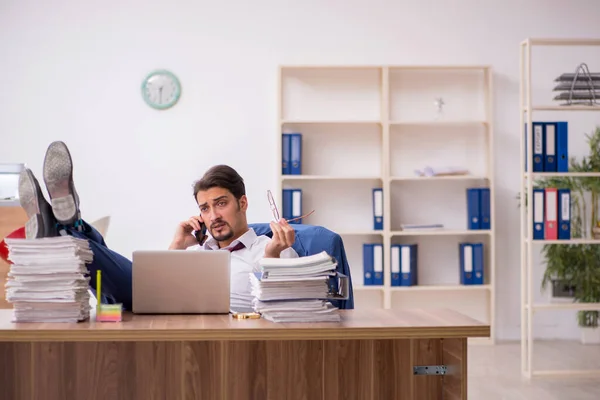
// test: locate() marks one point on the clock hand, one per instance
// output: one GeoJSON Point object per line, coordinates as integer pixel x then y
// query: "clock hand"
{"type": "Point", "coordinates": [160, 89]}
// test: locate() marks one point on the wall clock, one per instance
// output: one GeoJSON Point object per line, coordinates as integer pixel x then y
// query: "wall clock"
{"type": "Point", "coordinates": [161, 89]}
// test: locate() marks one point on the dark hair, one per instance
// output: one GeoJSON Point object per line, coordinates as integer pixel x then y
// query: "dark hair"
{"type": "Point", "coordinates": [222, 176]}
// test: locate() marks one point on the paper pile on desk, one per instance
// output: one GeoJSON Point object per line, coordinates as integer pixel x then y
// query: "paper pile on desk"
{"type": "Point", "coordinates": [48, 281]}
{"type": "Point", "coordinates": [294, 289]}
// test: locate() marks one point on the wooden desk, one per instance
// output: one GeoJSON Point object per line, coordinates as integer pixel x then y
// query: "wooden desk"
{"type": "Point", "coordinates": [369, 355]}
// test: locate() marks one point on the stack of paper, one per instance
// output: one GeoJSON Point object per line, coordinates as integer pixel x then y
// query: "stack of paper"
{"type": "Point", "coordinates": [48, 280]}
{"type": "Point", "coordinates": [294, 289]}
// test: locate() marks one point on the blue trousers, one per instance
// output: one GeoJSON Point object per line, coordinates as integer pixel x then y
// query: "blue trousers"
{"type": "Point", "coordinates": [116, 269]}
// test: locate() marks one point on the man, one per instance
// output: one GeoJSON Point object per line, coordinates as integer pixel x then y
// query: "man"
{"type": "Point", "coordinates": [221, 198]}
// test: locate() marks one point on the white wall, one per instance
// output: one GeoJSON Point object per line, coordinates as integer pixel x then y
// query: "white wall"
{"type": "Point", "coordinates": [72, 71]}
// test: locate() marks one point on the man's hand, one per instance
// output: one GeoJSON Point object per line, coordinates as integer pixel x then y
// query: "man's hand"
{"type": "Point", "coordinates": [183, 234]}
{"type": "Point", "coordinates": [283, 238]}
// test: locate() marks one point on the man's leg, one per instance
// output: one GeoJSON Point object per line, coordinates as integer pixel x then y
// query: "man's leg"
{"type": "Point", "coordinates": [116, 269]}
{"type": "Point", "coordinates": [63, 217]}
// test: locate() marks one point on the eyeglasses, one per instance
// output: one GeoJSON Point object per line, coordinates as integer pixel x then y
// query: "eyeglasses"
{"type": "Point", "coordinates": [276, 211]}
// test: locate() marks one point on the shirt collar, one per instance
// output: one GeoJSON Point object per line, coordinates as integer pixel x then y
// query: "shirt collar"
{"type": "Point", "coordinates": [248, 239]}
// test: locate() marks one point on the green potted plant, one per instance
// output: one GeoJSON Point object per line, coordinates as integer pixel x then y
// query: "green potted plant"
{"type": "Point", "coordinates": [578, 265]}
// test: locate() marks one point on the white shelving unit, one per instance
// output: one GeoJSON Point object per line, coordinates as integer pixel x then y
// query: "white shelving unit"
{"type": "Point", "coordinates": [528, 306]}
{"type": "Point", "coordinates": [366, 127]}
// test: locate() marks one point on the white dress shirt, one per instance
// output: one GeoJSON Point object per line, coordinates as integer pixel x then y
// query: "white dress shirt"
{"type": "Point", "coordinates": [243, 262]}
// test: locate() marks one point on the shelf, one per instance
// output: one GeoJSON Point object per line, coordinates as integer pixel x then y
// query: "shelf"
{"type": "Point", "coordinates": [560, 42]}
{"type": "Point", "coordinates": [441, 232]}
{"type": "Point", "coordinates": [541, 175]}
{"type": "Point", "coordinates": [449, 288]}
{"type": "Point", "coordinates": [438, 123]}
{"type": "Point", "coordinates": [326, 177]}
{"type": "Point", "coordinates": [568, 306]}
{"type": "Point", "coordinates": [329, 122]}
{"type": "Point", "coordinates": [367, 127]}
{"type": "Point", "coordinates": [553, 63]}
{"type": "Point", "coordinates": [565, 108]}
{"type": "Point", "coordinates": [565, 242]}
{"type": "Point", "coordinates": [437, 178]}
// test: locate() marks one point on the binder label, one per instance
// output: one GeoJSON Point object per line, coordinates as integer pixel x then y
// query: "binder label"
{"type": "Point", "coordinates": [550, 140]}
{"type": "Point", "coordinates": [468, 258]}
{"type": "Point", "coordinates": [551, 209]}
{"type": "Point", "coordinates": [405, 260]}
{"type": "Point", "coordinates": [378, 199]}
{"type": "Point", "coordinates": [378, 258]}
{"type": "Point", "coordinates": [566, 206]}
{"type": "Point", "coordinates": [538, 209]}
{"type": "Point", "coordinates": [537, 140]}
{"type": "Point", "coordinates": [296, 203]}
{"type": "Point", "coordinates": [395, 259]}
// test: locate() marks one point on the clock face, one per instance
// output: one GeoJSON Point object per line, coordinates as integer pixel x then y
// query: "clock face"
{"type": "Point", "coordinates": [161, 89]}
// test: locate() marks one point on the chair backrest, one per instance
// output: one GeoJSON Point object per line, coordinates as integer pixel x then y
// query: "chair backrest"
{"type": "Point", "coordinates": [102, 225]}
{"type": "Point", "coordinates": [312, 239]}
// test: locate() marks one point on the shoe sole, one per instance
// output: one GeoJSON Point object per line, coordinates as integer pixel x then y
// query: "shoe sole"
{"type": "Point", "coordinates": [58, 176]}
{"type": "Point", "coordinates": [30, 202]}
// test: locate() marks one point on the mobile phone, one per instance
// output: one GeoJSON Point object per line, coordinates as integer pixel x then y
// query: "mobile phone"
{"type": "Point", "coordinates": [201, 234]}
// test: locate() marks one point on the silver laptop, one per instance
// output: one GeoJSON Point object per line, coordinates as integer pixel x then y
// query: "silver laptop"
{"type": "Point", "coordinates": [181, 282]}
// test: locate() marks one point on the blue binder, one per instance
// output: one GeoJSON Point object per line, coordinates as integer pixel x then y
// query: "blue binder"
{"type": "Point", "coordinates": [564, 214]}
{"type": "Point", "coordinates": [395, 265]}
{"type": "Point", "coordinates": [539, 211]}
{"type": "Point", "coordinates": [287, 201]}
{"type": "Point", "coordinates": [465, 261]}
{"type": "Point", "coordinates": [471, 263]}
{"type": "Point", "coordinates": [473, 209]}
{"type": "Point", "coordinates": [373, 264]}
{"type": "Point", "coordinates": [367, 264]}
{"type": "Point", "coordinates": [478, 276]}
{"type": "Point", "coordinates": [408, 264]}
{"type": "Point", "coordinates": [538, 143]}
{"type": "Point", "coordinates": [286, 139]}
{"type": "Point", "coordinates": [485, 208]}
{"type": "Point", "coordinates": [378, 209]}
{"type": "Point", "coordinates": [296, 154]}
{"type": "Point", "coordinates": [550, 147]}
{"type": "Point", "coordinates": [562, 147]}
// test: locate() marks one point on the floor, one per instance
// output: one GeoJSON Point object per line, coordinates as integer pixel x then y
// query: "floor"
{"type": "Point", "coordinates": [495, 372]}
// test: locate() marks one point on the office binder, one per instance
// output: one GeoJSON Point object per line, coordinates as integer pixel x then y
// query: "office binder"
{"type": "Point", "coordinates": [537, 147]}
{"type": "Point", "coordinates": [473, 209]}
{"type": "Point", "coordinates": [296, 205]}
{"type": "Point", "coordinates": [562, 146]}
{"type": "Point", "coordinates": [550, 147]}
{"type": "Point", "coordinates": [395, 265]}
{"type": "Point", "coordinates": [296, 154]}
{"type": "Point", "coordinates": [285, 153]}
{"type": "Point", "coordinates": [564, 214]}
{"type": "Point", "coordinates": [478, 271]}
{"type": "Point", "coordinates": [287, 202]}
{"type": "Point", "coordinates": [539, 200]}
{"type": "Point", "coordinates": [484, 208]}
{"type": "Point", "coordinates": [408, 265]}
{"type": "Point", "coordinates": [373, 264]}
{"type": "Point", "coordinates": [551, 211]}
{"type": "Point", "coordinates": [465, 259]}
{"type": "Point", "coordinates": [378, 209]}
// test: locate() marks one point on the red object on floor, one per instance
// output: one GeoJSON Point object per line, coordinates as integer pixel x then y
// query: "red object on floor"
{"type": "Point", "coordinates": [16, 234]}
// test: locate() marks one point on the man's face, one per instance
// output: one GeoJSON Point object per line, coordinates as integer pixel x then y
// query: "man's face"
{"type": "Point", "coordinates": [222, 213]}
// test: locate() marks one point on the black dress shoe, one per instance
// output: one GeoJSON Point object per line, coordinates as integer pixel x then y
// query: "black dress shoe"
{"type": "Point", "coordinates": [58, 176]}
{"type": "Point", "coordinates": [41, 222]}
